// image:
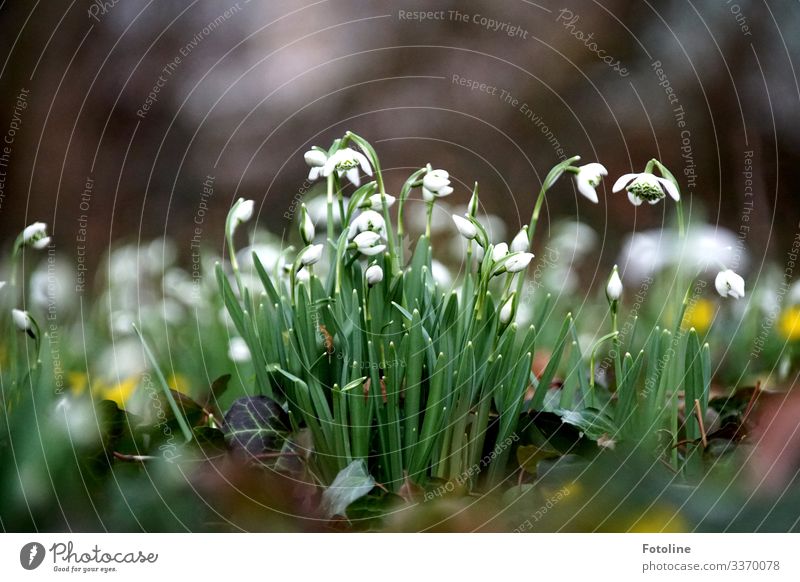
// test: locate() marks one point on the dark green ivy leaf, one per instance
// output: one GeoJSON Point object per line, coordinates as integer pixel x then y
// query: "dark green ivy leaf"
{"type": "Point", "coordinates": [256, 425]}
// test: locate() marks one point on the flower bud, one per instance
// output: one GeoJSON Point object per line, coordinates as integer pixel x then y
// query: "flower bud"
{"type": "Point", "coordinates": [374, 275]}
{"type": "Point", "coordinates": [465, 227]}
{"type": "Point", "coordinates": [506, 311]}
{"type": "Point", "coordinates": [311, 255]}
{"type": "Point", "coordinates": [614, 286]}
{"type": "Point", "coordinates": [518, 262]}
{"type": "Point", "coordinates": [520, 242]}
{"type": "Point", "coordinates": [729, 284]}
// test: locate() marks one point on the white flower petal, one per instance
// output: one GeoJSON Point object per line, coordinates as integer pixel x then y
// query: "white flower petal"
{"type": "Point", "coordinates": [623, 181]}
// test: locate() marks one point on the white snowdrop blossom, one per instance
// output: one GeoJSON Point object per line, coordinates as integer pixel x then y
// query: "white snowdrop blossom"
{"type": "Point", "coordinates": [614, 286]}
{"type": "Point", "coordinates": [303, 276]}
{"type": "Point", "coordinates": [465, 227]}
{"type": "Point", "coordinates": [369, 243]}
{"type": "Point", "coordinates": [518, 262]}
{"type": "Point", "coordinates": [238, 350]}
{"type": "Point", "coordinates": [22, 320]}
{"type": "Point", "coordinates": [242, 212]}
{"type": "Point", "coordinates": [367, 221]}
{"type": "Point", "coordinates": [520, 242]}
{"type": "Point", "coordinates": [507, 310]}
{"type": "Point", "coordinates": [315, 158]}
{"type": "Point", "coordinates": [311, 255]}
{"type": "Point", "coordinates": [346, 162]}
{"type": "Point", "coordinates": [588, 179]}
{"type": "Point", "coordinates": [729, 284]}
{"type": "Point", "coordinates": [646, 187]}
{"type": "Point", "coordinates": [374, 275]}
{"type": "Point", "coordinates": [436, 184]}
{"type": "Point", "coordinates": [375, 202]}
{"type": "Point", "coordinates": [306, 227]}
{"type": "Point", "coordinates": [35, 236]}
{"type": "Point", "coordinates": [499, 251]}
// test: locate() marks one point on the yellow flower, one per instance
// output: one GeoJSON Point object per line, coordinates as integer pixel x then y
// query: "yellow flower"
{"type": "Point", "coordinates": [119, 393]}
{"type": "Point", "coordinates": [78, 381]}
{"type": "Point", "coordinates": [790, 323]}
{"type": "Point", "coordinates": [663, 519]}
{"type": "Point", "coordinates": [179, 383]}
{"type": "Point", "coordinates": [699, 315]}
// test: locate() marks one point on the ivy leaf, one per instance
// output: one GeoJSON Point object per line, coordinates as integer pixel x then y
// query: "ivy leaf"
{"type": "Point", "coordinates": [352, 482]}
{"type": "Point", "coordinates": [256, 425]}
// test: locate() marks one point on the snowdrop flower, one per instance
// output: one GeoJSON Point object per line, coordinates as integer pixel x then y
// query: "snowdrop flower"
{"type": "Point", "coordinates": [302, 276]}
{"type": "Point", "coordinates": [499, 251]}
{"type": "Point", "coordinates": [306, 226]}
{"type": "Point", "coordinates": [315, 158]}
{"type": "Point", "coordinates": [35, 235]}
{"type": "Point", "coordinates": [375, 202]}
{"type": "Point", "coordinates": [238, 350]}
{"type": "Point", "coordinates": [311, 255]}
{"type": "Point", "coordinates": [518, 262]}
{"type": "Point", "coordinates": [729, 284]}
{"type": "Point", "coordinates": [520, 242]}
{"type": "Point", "coordinates": [23, 321]}
{"type": "Point", "coordinates": [440, 273]}
{"type": "Point", "coordinates": [465, 227]}
{"type": "Point", "coordinates": [506, 311]}
{"type": "Point", "coordinates": [647, 187]}
{"type": "Point", "coordinates": [345, 162]}
{"type": "Point", "coordinates": [367, 221]}
{"type": "Point", "coordinates": [242, 212]}
{"type": "Point", "coordinates": [614, 286]}
{"type": "Point", "coordinates": [436, 184]}
{"type": "Point", "coordinates": [369, 243]}
{"type": "Point", "coordinates": [588, 179]}
{"type": "Point", "coordinates": [374, 275]}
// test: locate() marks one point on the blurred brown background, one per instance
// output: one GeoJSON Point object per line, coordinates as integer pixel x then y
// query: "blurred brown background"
{"type": "Point", "coordinates": [243, 88]}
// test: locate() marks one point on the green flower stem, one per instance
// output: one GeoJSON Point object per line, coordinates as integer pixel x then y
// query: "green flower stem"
{"type": "Point", "coordinates": [331, 246]}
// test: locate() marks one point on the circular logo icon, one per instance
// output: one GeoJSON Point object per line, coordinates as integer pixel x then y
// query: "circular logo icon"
{"type": "Point", "coordinates": [31, 555]}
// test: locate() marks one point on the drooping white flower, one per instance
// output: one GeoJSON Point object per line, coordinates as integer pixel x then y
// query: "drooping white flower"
{"type": "Point", "coordinates": [465, 227]}
{"type": "Point", "coordinates": [518, 262]}
{"type": "Point", "coordinates": [729, 284]}
{"type": "Point", "coordinates": [436, 184]}
{"type": "Point", "coordinates": [520, 242]}
{"type": "Point", "coordinates": [315, 158]}
{"type": "Point", "coordinates": [588, 179]}
{"type": "Point", "coordinates": [374, 275]}
{"type": "Point", "coordinates": [21, 319]}
{"type": "Point", "coordinates": [646, 187]}
{"type": "Point", "coordinates": [311, 255]}
{"type": "Point", "coordinates": [238, 350]}
{"type": "Point", "coordinates": [375, 202]}
{"type": "Point", "coordinates": [367, 221]}
{"type": "Point", "coordinates": [614, 286]}
{"type": "Point", "coordinates": [306, 226]}
{"type": "Point", "coordinates": [346, 162]}
{"type": "Point", "coordinates": [35, 236]}
{"type": "Point", "coordinates": [242, 212]}
{"type": "Point", "coordinates": [507, 310]}
{"type": "Point", "coordinates": [303, 276]}
{"type": "Point", "coordinates": [369, 243]}
{"type": "Point", "coordinates": [499, 251]}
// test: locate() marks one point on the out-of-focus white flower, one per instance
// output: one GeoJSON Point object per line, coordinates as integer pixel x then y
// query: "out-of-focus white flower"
{"type": "Point", "coordinates": [436, 184]}
{"type": "Point", "coordinates": [520, 242]}
{"type": "Point", "coordinates": [306, 226]}
{"type": "Point", "coordinates": [588, 179]}
{"type": "Point", "coordinates": [315, 158]}
{"type": "Point", "coordinates": [374, 275]}
{"type": "Point", "coordinates": [369, 243]}
{"type": "Point", "coordinates": [465, 227]}
{"type": "Point", "coordinates": [35, 235]}
{"type": "Point", "coordinates": [238, 350]}
{"type": "Point", "coordinates": [311, 255]}
{"type": "Point", "coordinates": [614, 286]}
{"type": "Point", "coordinates": [646, 187]}
{"type": "Point", "coordinates": [317, 209]}
{"type": "Point", "coordinates": [367, 221]}
{"type": "Point", "coordinates": [507, 310]}
{"type": "Point", "coordinates": [518, 262]}
{"type": "Point", "coordinates": [375, 202]}
{"type": "Point", "coordinates": [499, 251]}
{"type": "Point", "coordinates": [2, 284]}
{"type": "Point", "coordinates": [729, 284]}
{"type": "Point", "coordinates": [242, 212]}
{"type": "Point", "coordinates": [303, 276]}
{"type": "Point", "coordinates": [441, 274]}
{"type": "Point", "coordinates": [23, 321]}
{"type": "Point", "coordinates": [346, 162]}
